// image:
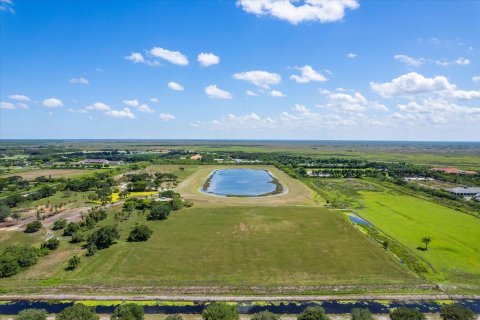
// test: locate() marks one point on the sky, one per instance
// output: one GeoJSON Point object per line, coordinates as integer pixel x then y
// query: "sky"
{"type": "Point", "coordinates": [246, 69]}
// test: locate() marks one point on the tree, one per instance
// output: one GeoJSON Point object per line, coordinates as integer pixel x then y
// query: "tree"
{"type": "Point", "coordinates": [78, 312]}
{"type": "Point", "coordinates": [32, 314]}
{"type": "Point", "coordinates": [5, 212]}
{"type": "Point", "coordinates": [313, 313]}
{"type": "Point", "coordinates": [59, 224]}
{"type": "Point", "coordinates": [174, 317]}
{"type": "Point", "coordinates": [265, 315]}
{"type": "Point", "coordinates": [140, 233]}
{"type": "Point", "coordinates": [128, 311]}
{"type": "Point", "coordinates": [77, 237]}
{"type": "Point", "coordinates": [456, 312]}
{"type": "Point", "coordinates": [406, 314]}
{"type": "Point", "coordinates": [104, 237]}
{"type": "Point", "coordinates": [8, 265]}
{"type": "Point", "coordinates": [73, 263]}
{"type": "Point", "coordinates": [51, 244]}
{"type": "Point", "coordinates": [361, 314]}
{"type": "Point", "coordinates": [159, 211]}
{"type": "Point", "coordinates": [71, 228]}
{"type": "Point", "coordinates": [220, 311]}
{"type": "Point", "coordinates": [33, 226]}
{"type": "Point", "coordinates": [426, 241]}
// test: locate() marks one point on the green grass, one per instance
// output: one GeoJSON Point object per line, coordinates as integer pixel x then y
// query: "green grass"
{"type": "Point", "coordinates": [239, 246]}
{"type": "Point", "coordinates": [455, 249]}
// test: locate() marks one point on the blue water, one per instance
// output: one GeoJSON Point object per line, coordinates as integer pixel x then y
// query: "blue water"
{"type": "Point", "coordinates": [241, 182]}
{"type": "Point", "coordinates": [358, 220]}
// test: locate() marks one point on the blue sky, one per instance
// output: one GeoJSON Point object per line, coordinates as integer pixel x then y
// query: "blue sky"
{"type": "Point", "coordinates": [314, 69]}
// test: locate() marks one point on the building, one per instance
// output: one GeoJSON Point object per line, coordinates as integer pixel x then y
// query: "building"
{"type": "Point", "coordinates": [453, 170]}
{"type": "Point", "coordinates": [101, 161]}
{"type": "Point", "coordinates": [465, 191]}
{"type": "Point", "coordinates": [196, 157]}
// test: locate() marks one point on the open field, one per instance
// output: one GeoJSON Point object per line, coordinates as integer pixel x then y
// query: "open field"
{"type": "Point", "coordinates": [54, 173]}
{"type": "Point", "coordinates": [297, 193]}
{"type": "Point", "coordinates": [230, 247]}
{"type": "Point", "coordinates": [455, 249]}
{"type": "Point", "coordinates": [182, 174]}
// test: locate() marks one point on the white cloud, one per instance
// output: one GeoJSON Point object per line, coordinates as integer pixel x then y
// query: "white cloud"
{"type": "Point", "coordinates": [409, 61]}
{"type": "Point", "coordinates": [124, 113]}
{"type": "Point", "coordinates": [98, 106]}
{"type": "Point", "coordinates": [7, 5]}
{"type": "Point", "coordinates": [301, 108]}
{"type": "Point", "coordinates": [276, 93]}
{"type": "Point", "coordinates": [214, 92]}
{"type": "Point", "coordinates": [131, 103]}
{"type": "Point", "coordinates": [307, 74]}
{"type": "Point", "coordinates": [166, 117]}
{"type": "Point", "coordinates": [476, 78]}
{"type": "Point", "coordinates": [19, 97]}
{"type": "Point", "coordinates": [459, 61]}
{"type": "Point", "coordinates": [145, 108]}
{"type": "Point", "coordinates": [80, 80]}
{"type": "Point", "coordinates": [78, 111]}
{"type": "Point", "coordinates": [136, 57]}
{"type": "Point", "coordinates": [154, 100]}
{"type": "Point", "coordinates": [175, 86]}
{"type": "Point", "coordinates": [355, 102]}
{"type": "Point", "coordinates": [262, 79]}
{"type": "Point", "coordinates": [140, 107]}
{"type": "Point", "coordinates": [52, 103]}
{"type": "Point", "coordinates": [251, 93]}
{"type": "Point", "coordinates": [7, 105]}
{"type": "Point", "coordinates": [351, 55]}
{"type": "Point", "coordinates": [412, 84]}
{"type": "Point", "coordinates": [310, 10]}
{"type": "Point", "coordinates": [174, 57]}
{"type": "Point", "coordinates": [208, 59]}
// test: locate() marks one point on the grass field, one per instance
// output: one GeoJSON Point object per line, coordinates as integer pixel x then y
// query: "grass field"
{"type": "Point", "coordinates": [296, 192]}
{"type": "Point", "coordinates": [455, 249]}
{"type": "Point", "coordinates": [231, 247]}
{"type": "Point", "coordinates": [54, 173]}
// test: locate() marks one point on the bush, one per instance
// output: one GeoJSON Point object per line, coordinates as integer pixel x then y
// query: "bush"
{"type": "Point", "coordinates": [26, 256]}
{"type": "Point", "coordinates": [128, 311]}
{"type": "Point", "coordinates": [50, 244]}
{"type": "Point", "coordinates": [220, 311]}
{"type": "Point", "coordinates": [71, 228]}
{"type": "Point", "coordinates": [140, 233]}
{"type": "Point", "coordinates": [33, 226]}
{"type": "Point", "coordinates": [8, 265]}
{"type": "Point", "coordinates": [78, 312]}
{"type": "Point", "coordinates": [59, 224]}
{"type": "Point", "coordinates": [456, 312]}
{"type": "Point", "coordinates": [73, 263]}
{"type": "Point", "coordinates": [406, 314]}
{"type": "Point", "coordinates": [5, 212]}
{"type": "Point", "coordinates": [104, 237]}
{"type": "Point", "coordinates": [174, 317]}
{"type": "Point", "coordinates": [313, 313]}
{"type": "Point", "coordinates": [265, 315]}
{"type": "Point", "coordinates": [159, 212]}
{"type": "Point", "coordinates": [361, 314]}
{"type": "Point", "coordinates": [77, 237]}
{"type": "Point", "coordinates": [32, 314]}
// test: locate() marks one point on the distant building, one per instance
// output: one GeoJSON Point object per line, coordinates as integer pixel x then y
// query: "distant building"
{"type": "Point", "coordinates": [453, 170]}
{"type": "Point", "coordinates": [101, 161]}
{"type": "Point", "coordinates": [196, 157]}
{"type": "Point", "coordinates": [465, 191]}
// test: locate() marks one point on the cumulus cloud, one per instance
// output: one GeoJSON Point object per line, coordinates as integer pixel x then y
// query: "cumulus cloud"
{"type": "Point", "coordinates": [80, 80]}
{"type": "Point", "coordinates": [412, 84]}
{"type": "Point", "coordinates": [52, 103]}
{"type": "Point", "coordinates": [136, 57]}
{"type": "Point", "coordinates": [208, 59]}
{"type": "Point", "coordinates": [262, 79]}
{"type": "Point", "coordinates": [307, 74]}
{"type": "Point", "coordinates": [131, 103]}
{"type": "Point", "coordinates": [351, 55]}
{"type": "Point", "coordinates": [355, 102]}
{"type": "Point", "coordinates": [7, 5]}
{"type": "Point", "coordinates": [310, 10]}
{"type": "Point", "coordinates": [7, 105]}
{"type": "Point", "coordinates": [409, 61]}
{"type": "Point", "coordinates": [459, 61]}
{"type": "Point", "coordinates": [174, 57]}
{"type": "Point", "coordinates": [19, 97]}
{"type": "Point", "coordinates": [154, 100]}
{"type": "Point", "coordinates": [276, 93]}
{"type": "Point", "coordinates": [251, 93]}
{"type": "Point", "coordinates": [98, 106]}
{"type": "Point", "coordinates": [124, 113]}
{"type": "Point", "coordinates": [175, 86]}
{"type": "Point", "coordinates": [214, 92]}
{"type": "Point", "coordinates": [142, 107]}
{"type": "Point", "coordinates": [476, 78]}
{"type": "Point", "coordinates": [166, 117]}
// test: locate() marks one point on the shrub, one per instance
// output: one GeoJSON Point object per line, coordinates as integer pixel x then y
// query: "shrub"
{"type": "Point", "coordinates": [104, 237]}
{"type": "Point", "coordinates": [313, 313]}
{"type": "Point", "coordinates": [265, 315]}
{"type": "Point", "coordinates": [406, 314]}
{"type": "Point", "coordinates": [26, 256]}
{"type": "Point", "coordinates": [159, 212]}
{"type": "Point", "coordinates": [174, 317]}
{"type": "Point", "coordinates": [50, 244]}
{"type": "Point", "coordinates": [73, 263]}
{"type": "Point", "coordinates": [140, 233]}
{"type": "Point", "coordinates": [361, 314]}
{"type": "Point", "coordinates": [456, 312]}
{"type": "Point", "coordinates": [128, 311]}
{"type": "Point", "coordinates": [71, 228]}
{"type": "Point", "coordinates": [77, 312]}
{"type": "Point", "coordinates": [59, 224]}
{"type": "Point", "coordinates": [32, 314]}
{"type": "Point", "coordinates": [220, 311]}
{"type": "Point", "coordinates": [5, 212]}
{"type": "Point", "coordinates": [77, 237]}
{"type": "Point", "coordinates": [8, 265]}
{"type": "Point", "coordinates": [33, 226]}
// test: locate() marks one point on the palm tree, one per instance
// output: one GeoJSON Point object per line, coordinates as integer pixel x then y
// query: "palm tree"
{"type": "Point", "coordinates": [426, 241]}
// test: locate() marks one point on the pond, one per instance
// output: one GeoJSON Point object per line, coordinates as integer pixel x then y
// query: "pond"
{"type": "Point", "coordinates": [242, 183]}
